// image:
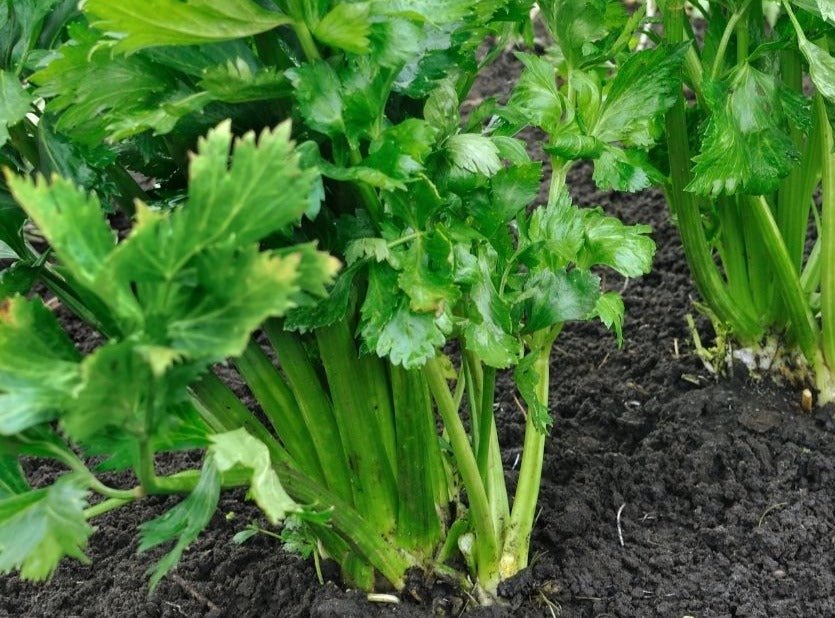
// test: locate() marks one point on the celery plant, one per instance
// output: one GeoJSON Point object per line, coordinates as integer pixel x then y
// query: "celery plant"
{"type": "Point", "coordinates": [743, 191]}
{"type": "Point", "coordinates": [332, 259]}
{"type": "Point", "coordinates": [745, 149]}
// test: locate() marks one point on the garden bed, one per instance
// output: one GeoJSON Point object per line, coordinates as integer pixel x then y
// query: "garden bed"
{"type": "Point", "coordinates": [664, 492]}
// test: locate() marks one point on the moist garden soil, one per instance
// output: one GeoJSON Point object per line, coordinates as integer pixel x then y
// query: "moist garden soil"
{"type": "Point", "coordinates": [665, 492]}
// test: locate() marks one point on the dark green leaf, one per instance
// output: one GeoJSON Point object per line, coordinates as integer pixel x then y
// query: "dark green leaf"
{"type": "Point", "coordinates": [93, 89]}
{"type": "Point", "coordinates": [127, 406]}
{"type": "Point", "coordinates": [236, 82]}
{"type": "Point", "coordinates": [11, 224]}
{"type": "Point", "coordinates": [441, 109]}
{"type": "Point", "coordinates": [577, 25]}
{"type": "Point", "coordinates": [244, 535]}
{"type": "Point", "coordinates": [390, 329]}
{"type": "Point", "coordinates": [17, 279]}
{"type": "Point", "coordinates": [625, 170]}
{"type": "Point", "coordinates": [428, 273]}
{"type": "Point", "coordinates": [319, 97]}
{"type": "Point", "coordinates": [744, 149]}
{"type": "Point", "coordinates": [515, 188]}
{"type": "Point", "coordinates": [473, 153]}
{"type": "Point", "coordinates": [72, 221]}
{"type": "Point", "coordinates": [489, 331]}
{"type": "Point", "coordinates": [328, 310]}
{"type": "Point", "coordinates": [527, 381]}
{"type": "Point", "coordinates": [637, 99]}
{"type": "Point", "coordinates": [555, 297]}
{"type": "Point", "coordinates": [12, 479]}
{"type": "Point", "coordinates": [536, 96]}
{"type": "Point", "coordinates": [556, 233]}
{"type": "Point", "coordinates": [571, 146]}
{"type": "Point", "coordinates": [821, 67]}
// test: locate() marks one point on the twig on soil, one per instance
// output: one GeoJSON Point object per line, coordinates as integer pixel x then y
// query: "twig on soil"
{"type": "Point", "coordinates": [176, 607]}
{"type": "Point", "coordinates": [675, 348]}
{"type": "Point", "coordinates": [603, 362]}
{"type": "Point", "coordinates": [620, 530]}
{"type": "Point", "coordinates": [470, 599]}
{"type": "Point", "coordinates": [520, 406]}
{"type": "Point", "coordinates": [773, 507]}
{"type": "Point", "coordinates": [553, 607]}
{"type": "Point", "coordinates": [195, 593]}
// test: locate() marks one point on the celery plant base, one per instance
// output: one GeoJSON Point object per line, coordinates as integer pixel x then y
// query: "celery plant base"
{"type": "Point", "coordinates": [772, 359]}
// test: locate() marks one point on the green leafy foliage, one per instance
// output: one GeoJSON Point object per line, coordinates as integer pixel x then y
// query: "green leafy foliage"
{"type": "Point", "coordinates": [238, 448]}
{"type": "Point", "coordinates": [745, 147]}
{"type": "Point", "coordinates": [635, 101]}
{"type": "Point", "coordinates": [40, 527]}
{"type": "Point", "coordinates": [821, 67]}
{"type": "Point", "coordinates": [14, 103]}
{"type": "Point", "coordinates": [136, 25]}
{"type": "Point", "coordinates": [182, 523]}
{"type": "Point", "coordinates": [347, 26]}
{"type": "Point", "coordinates": [38, 365]}
{"type": "Point", "coordinates": [399, 226]}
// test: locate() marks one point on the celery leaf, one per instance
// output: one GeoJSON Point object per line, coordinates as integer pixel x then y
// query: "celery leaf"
{"type": "Point", "coordinates": [38, 528]}
{"type": "Point", "coordinates": [137, 24]}
{"type": "Point", "coordinates": [14, 103]}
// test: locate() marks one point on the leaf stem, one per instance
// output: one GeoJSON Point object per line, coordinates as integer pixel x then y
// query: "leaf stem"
{"type": "Point", "coordinates": [683, 205]}
{"type": "Point", "coordinates": [517, 539]}
{"type": "Point", "coordinates": [726, 37]}
{"type": "Point", "coordinates": [371, 475]}
{"type": "Point", "coordinates": [105, 506]}
{"type": "Point", "coordinates": [487, 549]}
{"type": "Point", "coordinates": [306, 41]}
{"type": "Point", "coordinates": [827, 232]}
{"type": "Point", "coordinates": [803, 325]}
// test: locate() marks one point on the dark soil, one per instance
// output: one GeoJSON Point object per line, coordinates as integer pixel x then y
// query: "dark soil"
{"type": "Point", "coordinates": [724, 489]}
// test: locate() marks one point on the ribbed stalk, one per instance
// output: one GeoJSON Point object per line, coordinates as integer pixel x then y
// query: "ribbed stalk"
{"type": "Point", "coordinates": [372, 481]}
{"type": "Point", "coordinates": [683, 204]}
{"type": "Point", "coordinates": [314, 406]}
{"type": "Point", "coordinates": [760, 280]}
{"type": "Point", "coordinates": [732, 250]}
{"type": "Point", "coordinates": [481, 382]}
{"type": "Point", "coordinates": [803, 326]}
{"type": "Point", "coordinates": [518, 537]}
{"type": "Point", "coordinates": [281, 409]}
{"type": "Point", "coordinates": [827, 232]}
{"type": "Point", "coordinates": [487, 547]}
{"type": "Point", "coordinates": [380, 400]}
{"type": "Point", "coordinates": [419, 462]}
{"type": "Point", "coordinates": [226, 412]}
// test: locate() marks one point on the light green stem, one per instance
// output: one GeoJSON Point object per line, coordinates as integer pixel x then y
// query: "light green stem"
{"type": "Point", "coordinates": [827, 232]}
{"type": "Point", "coordinates": [803, 325]}
{"type": "Point", "coordinates": [372, 478]}
{"type": "Point", "coordinates": [487, 548]}
{"type": "Point", "coordinates": [517, 540]}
